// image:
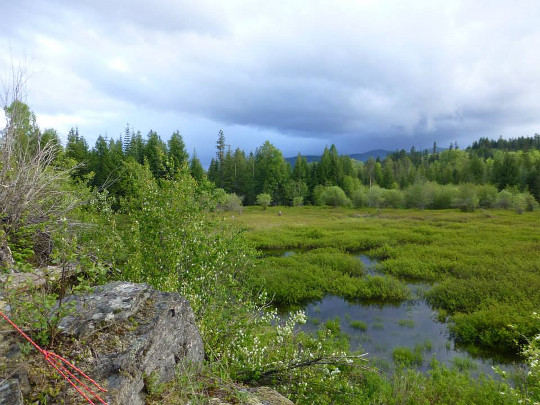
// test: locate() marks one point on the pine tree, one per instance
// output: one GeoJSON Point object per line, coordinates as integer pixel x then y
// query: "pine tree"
{"type": "Point", "coordinates": [213, 171]}
{"type": "Point", "coordinates": [177, 151]}
{"type": "Point", "coordinates": [155, 153]}
{"type": "Point", "coordinates": [220, 146]}
{"type": "Point", "coordinates": [136, 147]}
{"type": "Point", "coordinates": [301, 169]}
{"type": "Point", "coordinates": [127, 139]}
{"type": "Point", "coordinates": [195, 168]}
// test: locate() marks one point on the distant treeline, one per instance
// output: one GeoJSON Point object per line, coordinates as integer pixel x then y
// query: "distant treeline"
{"type": "Point", "coordinates": [512, 165]}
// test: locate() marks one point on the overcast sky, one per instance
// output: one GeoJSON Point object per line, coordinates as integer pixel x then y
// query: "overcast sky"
{"type": "Point", "coordinates": [362, 74]}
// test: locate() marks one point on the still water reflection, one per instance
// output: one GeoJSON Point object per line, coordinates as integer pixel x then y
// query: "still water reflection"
{"type": "Point", "coordinates": [386, 326]}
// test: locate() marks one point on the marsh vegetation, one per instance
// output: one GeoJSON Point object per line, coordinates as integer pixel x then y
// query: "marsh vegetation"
{"type": "Point", "coordinates": [481, 269]}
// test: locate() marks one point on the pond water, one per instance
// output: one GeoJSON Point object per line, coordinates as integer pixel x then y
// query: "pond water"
{"type": "Point", "coordinates": [379, 328]}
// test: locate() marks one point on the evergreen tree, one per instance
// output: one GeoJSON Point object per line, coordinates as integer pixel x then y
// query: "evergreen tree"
{"type": "Point", "coordinates": [177, 151]}
{"type": "Point", "coordinates": [220, 146]}
{"type": "Point", "coordinates": [388, 178]}
{"type": "Point", "coordinates": [249, 181]}
{"type": "Point", "coordinates": [475, 171]}
{"type": "Point", "coordinates": [336, 167]}
{"type": "Point", "coordinates": [213, 171]}
{"type": "Point", "coordinates": [228, 172]}
{"type": "Point", "coordinates": [100, 163]}
{"type": "Point", "coordinates": [195, 168]}
{"type": "Point", "coordinates": [377, 172]}
{"type": "Point", "coordinates": [155, 153]}
{"type": "Point", "coordinates": [506, 171]}
{"type": "Point", "coordinates": [347, 166]}
{"type": "Point", "coordinates": [241, 173]}
{"type": "Point", "coordinates": [127, 139]}
{"type": "Point", "coordinates": [324, 169]}
{"type": "Point", "coordinates": [136, 147]}
{"type": "Point", "coordinates": [76, 146]}
{"type": "Point", "coordinates": [301, 169]}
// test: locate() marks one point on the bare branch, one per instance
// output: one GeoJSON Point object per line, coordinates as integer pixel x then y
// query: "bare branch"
{"type": "Point", "coordinates": [315, 361]}
{"type": "Point", "coordinates": [31, 187]}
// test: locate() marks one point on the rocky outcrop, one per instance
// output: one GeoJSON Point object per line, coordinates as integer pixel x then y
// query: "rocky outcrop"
{"type": "Point", "coordinates": [126, 334]}
{"type": "Point", "coordinates": [128, 338]}
{"type": "Point", "coordinates": [17, 281]}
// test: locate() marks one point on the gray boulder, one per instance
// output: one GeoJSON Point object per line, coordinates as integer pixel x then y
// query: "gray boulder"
{"type": "Point", "coordinates": [129, 334]}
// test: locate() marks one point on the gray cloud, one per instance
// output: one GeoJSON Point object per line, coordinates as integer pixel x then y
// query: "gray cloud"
{"type": "Point", "coordinates": [361, 74]}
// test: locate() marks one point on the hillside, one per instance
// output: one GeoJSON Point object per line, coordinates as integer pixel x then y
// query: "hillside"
{"type": "Point", "coordinates": [362, 157]}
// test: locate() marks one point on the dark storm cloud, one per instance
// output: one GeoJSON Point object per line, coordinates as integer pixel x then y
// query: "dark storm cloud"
{"type": "Point", "coordinates": [362, 74]}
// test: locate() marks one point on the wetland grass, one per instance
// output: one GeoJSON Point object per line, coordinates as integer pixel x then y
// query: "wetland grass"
{"type": "Point", "coordinates": [484, 266]}
{"type": "Point", "coordinates": [358, 325]}
{"type": "Point", "coordinates": [313, 274]}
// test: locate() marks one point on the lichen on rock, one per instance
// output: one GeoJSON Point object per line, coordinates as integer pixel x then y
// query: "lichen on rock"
{"type": "Point", "coordinates": [123, 332]}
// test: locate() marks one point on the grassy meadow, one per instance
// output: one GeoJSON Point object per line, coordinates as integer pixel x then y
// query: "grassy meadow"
{"type": "Point", "coordinates": [484, 267]}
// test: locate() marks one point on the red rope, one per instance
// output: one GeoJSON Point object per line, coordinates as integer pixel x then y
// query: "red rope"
{"type": "Point", "coordinates": [62, 366]}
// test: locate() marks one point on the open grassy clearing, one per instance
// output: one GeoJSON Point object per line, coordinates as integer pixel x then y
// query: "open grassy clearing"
{"type": "Point", "coordinates": [485, 265]}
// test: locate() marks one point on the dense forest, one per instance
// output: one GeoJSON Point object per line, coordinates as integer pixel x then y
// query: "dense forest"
{"type": "Point", "coordinates": [140, 209]}
{"type": "Point", "coordinates": [417, 179]}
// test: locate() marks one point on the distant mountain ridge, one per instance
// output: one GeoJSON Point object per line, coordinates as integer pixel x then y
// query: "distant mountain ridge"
{"type": "Point", "coordinates": [363, 157]}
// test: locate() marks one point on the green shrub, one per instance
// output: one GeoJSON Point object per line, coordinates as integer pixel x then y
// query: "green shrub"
{"type": "Point", "coordinates": [334, 196]}
{"type": "Point", "coordinates": [419, 195]}
{"type": "Point", "coordinates": [316, 194]}
{"type": "Point", "coordinates": [230, 202]}
{"type": "Point", "coordinates": [466, 199]}
{"type": "Point", "coordinates": [264, 200]}
{"type": "Point", "coordinates": [504, 200]}
{"type": "Point", "coordinates": [487, 195]}
{"type": "Point", "coordinates": [298, 201]}
{"type": "Point", "coordinates": [360, 198]}
{"type": "Point", "coordinates": [393, 198]}
{"type": "Point", "coordinates": [530, 202]}
{"type": "Point", "coordinates": [524, 202]}
{"type": "Point", "coordinates": [443, 196]}
{"type": "Point", "coordinates": [376, 196]}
